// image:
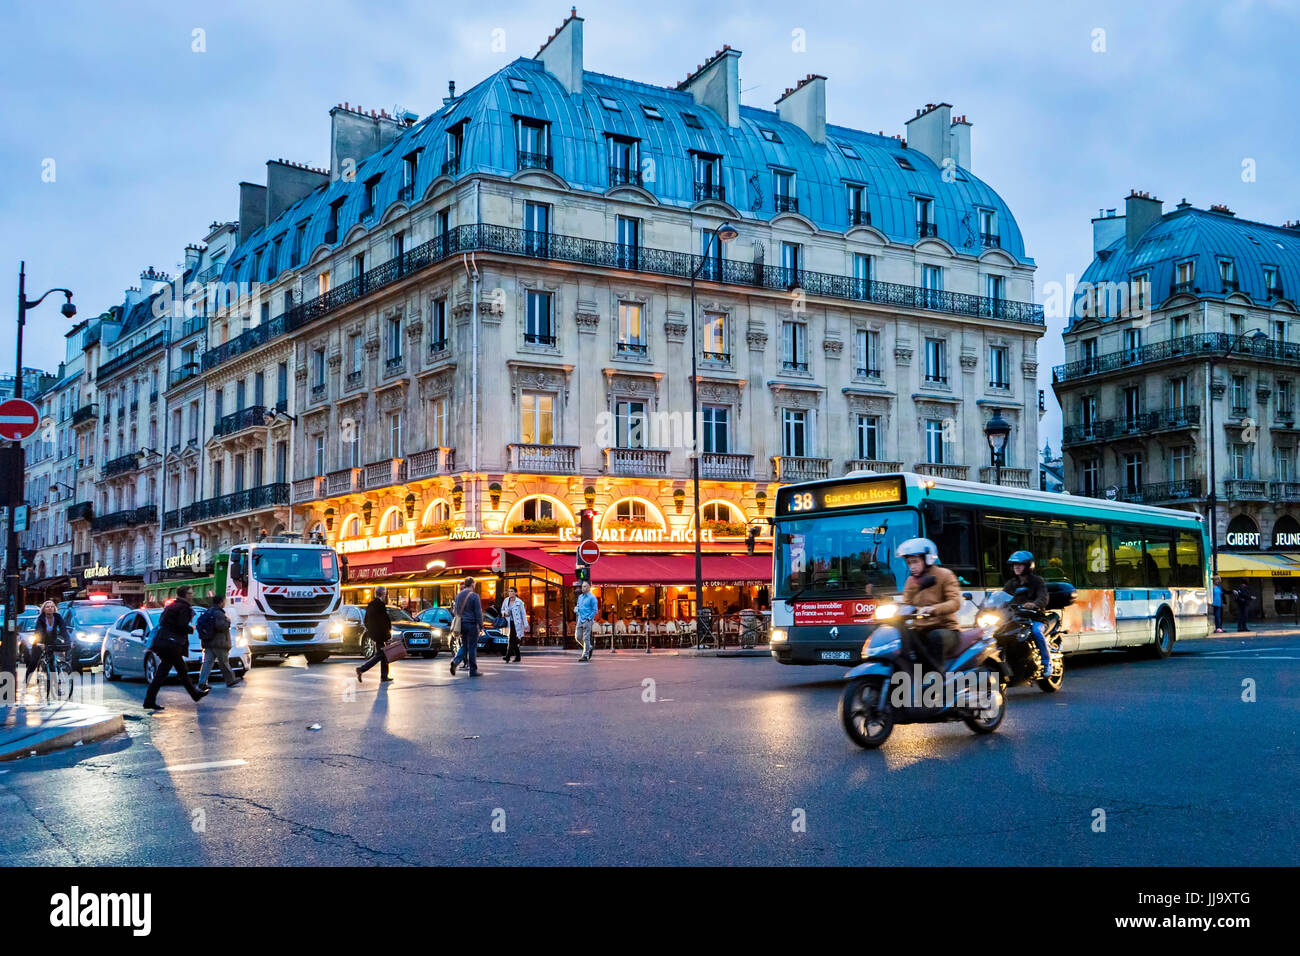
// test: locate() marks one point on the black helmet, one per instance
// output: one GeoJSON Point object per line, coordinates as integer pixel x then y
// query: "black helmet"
{"type": "Point", "coordinates": [1022, 557]}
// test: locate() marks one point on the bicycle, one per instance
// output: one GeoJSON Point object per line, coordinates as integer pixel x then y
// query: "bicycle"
{"type": "Point", "coordinates": [55, 679]}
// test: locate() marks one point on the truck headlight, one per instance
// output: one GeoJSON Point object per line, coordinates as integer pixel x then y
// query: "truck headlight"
{"type": "Point", "coordinates": [336, 629]}
{"type": "Point", "coordinates": [257, 630]}
{"type": "Point", "coordinates": [241, 640]}
{"type": "Point", "coordinates": [778, 635]}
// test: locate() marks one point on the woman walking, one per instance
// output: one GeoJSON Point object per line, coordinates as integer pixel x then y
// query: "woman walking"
{"type": "Point", "coordinates": [517, 615]}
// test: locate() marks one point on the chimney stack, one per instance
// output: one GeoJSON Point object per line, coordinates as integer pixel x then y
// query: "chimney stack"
{"type": "Point", "coordinates": [1141, 212]}
{"type": "Point", "coordinates": [252, 210]}
{"type": "Point", "coordinates": [930, 132]}
{"type": "Point", "coordinates": [288, 182]}
{"type": "Point", "coordinates": [561, 54]}
{"type": "Point", "coordinates": [959, 141]}
{"type": "Point", "coordinates": [1106, 229]}
{"type": "Point", "coordinates": [716, 84]}
{"type": "Point", "coordinates": [804, 105]}
{"type": "Point", "coordinates": [356, 134]}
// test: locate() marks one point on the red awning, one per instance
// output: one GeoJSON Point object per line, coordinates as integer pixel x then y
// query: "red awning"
{"type": "Point", "coordinates": [650, 569]}
{"type": "Point", "coordinates": [560, 563]}
{"type": "Point", "coordinates": [458, 555]}
{"type": "Point", "coordinates": [367, 565]}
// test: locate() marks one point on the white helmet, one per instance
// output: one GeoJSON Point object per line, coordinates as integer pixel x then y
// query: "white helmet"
{"type": "Point", "coordinates": [920, 546]}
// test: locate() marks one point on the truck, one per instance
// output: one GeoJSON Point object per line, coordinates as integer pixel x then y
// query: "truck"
{"type": "Point", "coordinates": [282, 595]}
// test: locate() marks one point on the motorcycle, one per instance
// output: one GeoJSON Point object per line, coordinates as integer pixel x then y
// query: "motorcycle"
{"type": "Point", "coordinates": [897, 683]}
{"type": "Point", "coordinates": [1012, 627]}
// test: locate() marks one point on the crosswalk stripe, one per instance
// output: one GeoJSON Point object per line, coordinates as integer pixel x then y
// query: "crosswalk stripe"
{"type": "Point", "coordinates": [212, 765]}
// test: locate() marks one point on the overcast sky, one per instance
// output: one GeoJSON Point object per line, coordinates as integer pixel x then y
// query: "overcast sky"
{"type": "Point", "coordinates": [150, 138]}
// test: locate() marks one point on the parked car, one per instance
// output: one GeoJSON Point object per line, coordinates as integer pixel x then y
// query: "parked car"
{"type": "Point", "coordinates": [416, 635]}
{"type": "Point", "coordinates": [88, 624]}
{"type": "Point", "coordinates": [439, 618]}
{"type": "Point", "coordinates": [26, 630]}
{"type": "Point", "coordinates": [493, 637]}
{"type": "Point", "coordinates": [127, 654]}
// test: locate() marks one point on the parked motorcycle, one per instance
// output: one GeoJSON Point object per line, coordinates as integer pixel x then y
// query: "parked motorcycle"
{"type": "Point", "coordinates": [1012, 628]}
{"type": "Point", "coordinates": [895, 684]}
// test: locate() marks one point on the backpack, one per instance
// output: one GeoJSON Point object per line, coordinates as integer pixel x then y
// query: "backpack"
{"type": "Point", "coordinates": [204, 626]}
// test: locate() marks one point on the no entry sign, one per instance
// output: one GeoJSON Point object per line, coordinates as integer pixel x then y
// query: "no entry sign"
{"type": "Point", "coordinates": [588, 552]}
{"type": "Point", "coordinates": [18, 419]}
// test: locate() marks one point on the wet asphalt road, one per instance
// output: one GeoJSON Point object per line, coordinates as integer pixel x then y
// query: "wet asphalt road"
{"type": "Point", "coordinates": [716, 761]}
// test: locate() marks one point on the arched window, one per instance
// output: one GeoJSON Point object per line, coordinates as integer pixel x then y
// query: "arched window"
{"type": "Point", "coordinates": [351, 527]}
{"type": "Point", "coordinates": [392, 521]}
{"type": "Point", "coordinates": [1242, 532]}
{"type": "Point", "coordinates": [534, 509]}
{"type": "Point", "coordinates": [633, 511]}
{"type": "Point", "coordinates": [629, 509]}
{"type": "Point", "coordinates": [1286, 532]}
{"type": "Point", "coordinates": [721, 511]}
{"type": "Point", "coordinates": [436, 513]}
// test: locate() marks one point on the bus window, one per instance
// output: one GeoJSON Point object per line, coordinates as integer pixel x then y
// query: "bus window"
{"type": "Point", "coordinates": [1050, 539]}
{"type": "Point", "coordinates": [1000, 536]}
{"type": "Point", "coordinates": [955, 539]}
{"type": "Point", "coordinates": [1130, 569]}
{"type": "Point", "coordinates": [1158, 561]}
{"type": "Point", "coordinates": [1091, 555]}
{"type": "Point", "coordinates": [1189, 561]}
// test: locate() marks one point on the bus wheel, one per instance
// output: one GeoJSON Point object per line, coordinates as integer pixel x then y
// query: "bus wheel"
{"type": "Point", "coordinates": [1163, 645]}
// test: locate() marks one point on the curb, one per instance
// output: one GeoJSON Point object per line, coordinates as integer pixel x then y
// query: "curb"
{"type": "Point", "coordinates": [43, 742]}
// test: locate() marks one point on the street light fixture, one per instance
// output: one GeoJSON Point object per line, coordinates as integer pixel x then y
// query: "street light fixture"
{"type": "Point", "coordinates": [1212, 499]}
{"type": "Point", "coordinates": [996, 432]}
{"type": "Point", "coordinates": [9, 641]}
{"type": "Point", "coordinates": [724, 232]}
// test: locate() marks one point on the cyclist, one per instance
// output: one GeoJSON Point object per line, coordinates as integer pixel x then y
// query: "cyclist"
{"type": "Point", "coordinates": [1023, 576]}
{"type": "Point", "coordinates": [51, 632]}
{"type": "Point", "coordinates": [936, 593]}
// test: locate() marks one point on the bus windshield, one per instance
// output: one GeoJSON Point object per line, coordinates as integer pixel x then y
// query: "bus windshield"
{"type": "Point", "coordinates": [295, 566]}
{"type": "Point", "coordinates": [842, 555]}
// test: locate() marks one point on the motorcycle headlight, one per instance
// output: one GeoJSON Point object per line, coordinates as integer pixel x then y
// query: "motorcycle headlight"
{"type": "Point", "coordinates": [257, 630]}
{"type": "Point", "coordinates": [778, 635]}
{"type": "Point", "coordinates": [988, 620]}
{"type": "Point", "coordinates": [886, 612]}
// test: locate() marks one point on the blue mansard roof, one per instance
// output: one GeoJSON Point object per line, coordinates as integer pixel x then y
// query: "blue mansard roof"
{"type": "Point", "coordinates": [578, 127]}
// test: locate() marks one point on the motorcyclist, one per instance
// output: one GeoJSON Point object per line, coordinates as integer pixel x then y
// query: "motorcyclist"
{"type": "Point", "coordinates": [1034, 599]}
{"type": "Point", "coordinates": [937, 600]}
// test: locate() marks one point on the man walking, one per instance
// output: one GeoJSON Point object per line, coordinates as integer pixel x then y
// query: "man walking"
{"type": "Point", "coordinates": [517, 616]}
{"type": "Point", "coordinates": [171, 646]}
{"type": "Point", "coordinates": [379, 628]}
{"type": "Point", "coordinates": [1242, 596]}
{"type": "Point", "coordinates": [1217, 591]}
{"type": "Point", "coordinates": [586, 620]}
{"type": "Point", "coordinates": [469, 608]}
{"type": "Point", "coordinates": [214, 632]}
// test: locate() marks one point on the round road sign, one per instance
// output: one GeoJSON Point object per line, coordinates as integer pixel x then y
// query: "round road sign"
{"type": "Point", "coordinates": [588, 552]}
{"type": "Point", "coordinates": [18, 419]}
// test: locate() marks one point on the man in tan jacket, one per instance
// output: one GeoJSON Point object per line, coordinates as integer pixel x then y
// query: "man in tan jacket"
{"type": "Point", "coordinates": [938, 599]}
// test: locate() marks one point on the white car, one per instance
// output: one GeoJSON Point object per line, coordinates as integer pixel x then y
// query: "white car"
{"type": "Point", "coordinates": [127, 654]}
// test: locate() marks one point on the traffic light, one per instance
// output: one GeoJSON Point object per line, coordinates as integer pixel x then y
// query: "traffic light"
{"type": "Point", "coordinates": [588, 524]}
{"type": "Point", "coordinates": [582, 573]}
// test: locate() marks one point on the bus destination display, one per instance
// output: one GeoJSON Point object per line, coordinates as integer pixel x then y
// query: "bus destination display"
{"type": "Point", "coordinates": [856, 494]}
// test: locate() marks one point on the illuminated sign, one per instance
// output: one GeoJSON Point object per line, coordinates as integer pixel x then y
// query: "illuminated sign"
{"type": "Point", "coordinates": [1243, 539]}
{"type": "Point", "coordinates": [96, 571]}
{"type": "Point", "coordinates": [184, 559]}
{"type": "Point", "coordinates": [853, 494]}
{"type": "Point", "coordinates": [464, 534]}
{"type": "Point", "coordinates": [640, 534]}
{"type": "Point", "coordinates": [378, 542]}
{"type": "Point", "coordinates": [1286, 539]}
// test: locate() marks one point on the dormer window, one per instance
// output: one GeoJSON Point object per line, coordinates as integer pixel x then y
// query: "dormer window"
{"type": "Point", "coordinates": [708, 176]}
{"type": "Point", "coordinates": [1184, 276]}
{"type": "Point", "coordinates": [371, 185]}
{"type": "Point", "coordinates": [925, 217]}
{"type": "Point", "coordinates": [848, 151]}
{"type": "Point", "coordinates": [691, 120]}
{"type": "Point", "coordinates": [784, 199]}
{"type": "Point", "coordinates": [904, 163]}
{"type": "Point", "coordinates": [332, 231]}
{"type": "Point", "coordinates": [652, 112]}
{"type": "Point", "coordinates": [989, 237]}
{"type": "Point", "coordinates": [1272, 285]}
{"type": "Point", "coordinates": [455, 141]}
{"type": "Point", "coordinates": [769, 135]}
{"type": "Point", "coordinates": [610, 104]}
{"type": "Point", "coordinates": [534, 143]}
{"type": "Point", "coordinates": [624, 161]}
{"type": "Point", "coordinates": [518, 85]}
{"type": "Point", "coordinates": [1228, 275]}
{"type": "Point", "coordinates": [410, 166]}
{"type": "Point", "coordinates": [857, 205]}
{"type": "Point", "coordinates": [299, 236]}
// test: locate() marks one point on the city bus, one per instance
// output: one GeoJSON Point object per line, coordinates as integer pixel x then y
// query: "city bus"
{"type": "Point", "coordinates": [281, 595]}
{"type": "Point", "coordinates": [1141, 574]}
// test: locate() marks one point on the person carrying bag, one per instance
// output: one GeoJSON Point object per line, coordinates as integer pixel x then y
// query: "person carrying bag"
{"type": "Point", "coordinates": [379, 628]}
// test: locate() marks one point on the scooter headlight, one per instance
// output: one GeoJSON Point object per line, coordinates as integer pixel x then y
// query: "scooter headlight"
{"type": "Point", "coordinates": [885, 612]}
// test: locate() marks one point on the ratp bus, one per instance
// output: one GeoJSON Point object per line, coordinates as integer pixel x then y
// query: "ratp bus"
{"type": "Point", "coordinates": [1140, 572]}
{"type": "Point", "coordinates": [281, 594]}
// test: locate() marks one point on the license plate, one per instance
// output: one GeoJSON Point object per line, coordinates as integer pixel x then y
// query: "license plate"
{"type": "Point", "coordinates": [417, 640]}
{"type": "Point", "coordinates": [836, 655]}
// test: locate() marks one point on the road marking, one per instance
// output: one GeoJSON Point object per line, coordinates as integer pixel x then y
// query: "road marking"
{"type": "Point", "coordinates": [1251, 650]}
{"type": "Point", "coordinates": [213, 765]}
{"type": "Point", "coordinates": [1220, 657]}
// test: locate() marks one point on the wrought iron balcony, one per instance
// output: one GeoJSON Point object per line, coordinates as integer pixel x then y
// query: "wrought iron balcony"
{"type": "Point", "coordinates": [451, 167]}
{"type": "Point", "coordinates": [318, 392]}
{"type": "Point", "coordinates": [1160, 420]}
{"type": "Point", "coordinates": [527, 160]}
{"type": "Point", "coordinates": [1202, 345]}
{"type": "Point", "coordinates": [128, 518]}
{"type": "Point", "coordinates": [793, 365]}
{"type": "Point", "coordinates": [193, 325]}
{"type": "Point", "coordinates": [394, 364]}
{"type": "Point", "coordinates": [439, 345]}
{"type": "Point", "coordinates": [874, 465]}
{"type": "Point", "coordinates": [866, 373]}
{"type": "Point", "coordinates": [941, 471]}
{"type": "Point", "coordinates": [427, 464]}
{"type": "Point", "coordinates": [239, 502]}
{"type": "Point", "coordinates": [990, 240]}
{"type": "Point", "coordinates": [172, 519]}
{"type": "Point", "coordinates": [1245, 489]}
{"type": "Point", "coordinates": [1177, 287]}
{"type": "Point", "coordinates": [538, 338]}
{"type": "Point", "coordinates": [122, 464]}
{"type": "Point", "coordinates": [924, 229]}
{"type": "Point", "coordinates": [636, 462]}
{"type": "Point", "coordinates": [130, 357]}
{"type": "Point", "coordinates": [406, 193]}
{"type": "Point", "coordinates": [631, 348]}
{"type": "Point", "coordinates": [722, 358]}
{"type": "Point", "coordinates": [792, 468]}
{"type": "Point", "coordinates": [183, 373]}
{"type": "Point", "coordinates": [726, 467]}
{"type": "Point", "coordinates": [622, 176]}
{"type": "Point", "coordinates": [252, 417]}
{"type": "Point", "coordinates": [86, 413]}
{"type": "Point", "coordinates": [484, 237]}
{"type": "Point", "coordinates": [783, 203]}
{"type": "Point", "coordinates": [543, 459]}
{"type": "Point", "coordinates": [81, 511]}
{"type": "Point", "coordinates": [859, 217]}
{"type": "Point", "coordinates": [355, 379]}
{"type": "Point", "coordinates": [705, 191]}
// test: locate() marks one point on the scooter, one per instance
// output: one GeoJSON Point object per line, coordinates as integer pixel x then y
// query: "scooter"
{"type": "Point", "coordinates": [899, 683]}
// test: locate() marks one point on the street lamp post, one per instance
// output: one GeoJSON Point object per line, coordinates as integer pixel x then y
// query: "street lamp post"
{"type": "Point", "coordinates": [1212, 499]}
{"type": "Point", "coordinates": [9, 642]}
{"type": "Point", "coordinates": [996, 432]}
{"type": "Point", "coordinates": [724, 232]}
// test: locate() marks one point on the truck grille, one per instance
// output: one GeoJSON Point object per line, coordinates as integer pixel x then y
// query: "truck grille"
{"type": "Point", "coordinates": [287, 605]}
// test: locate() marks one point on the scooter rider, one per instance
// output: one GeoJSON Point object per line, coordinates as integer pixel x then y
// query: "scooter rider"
{"type": "Point", "coordinates": [938, 600]}
{"type": "Point", "coordinates": [1023, 576]}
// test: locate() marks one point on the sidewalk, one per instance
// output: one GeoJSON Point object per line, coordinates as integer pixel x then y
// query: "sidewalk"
{"type": "Point", "coordinates": [40, 728]}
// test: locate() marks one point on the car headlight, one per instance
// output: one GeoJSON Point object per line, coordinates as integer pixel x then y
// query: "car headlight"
{"type": "Point", "coordinates": [240, 640]}
{"type": "Point", "coordinates": [885, 612]}
{"type": "Point", "coordinates": [988, 620]}
{"type": "Point", "coordinates": [257, 630]}
{"type": "Point", "coordinates": [778, 635]}
{"type": "Point", "coordinates": [437, 632]}
{"type": "Point", "coordinates": [86, 636]}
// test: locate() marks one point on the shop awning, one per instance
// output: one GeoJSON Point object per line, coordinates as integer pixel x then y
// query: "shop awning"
{"type": "Point", "coordinates": [1258, 565]}
{"type": "Point", "coordinates": [456, 555]}
{"type": "Point", "coordinates": [367, 565]}
{"type": "Point", "coordinates": [650, 569]}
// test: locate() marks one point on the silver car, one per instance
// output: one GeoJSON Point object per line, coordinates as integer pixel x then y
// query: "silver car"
{"type": "Point", "coordinates": [127, 654]}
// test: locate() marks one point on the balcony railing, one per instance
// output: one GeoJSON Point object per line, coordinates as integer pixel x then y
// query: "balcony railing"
{"type": "Point", "coordinates": [1009, 477]}
{"type": "Point", "coordinates": [130, 357]}
{"type": "Point", "coordinates": [386, 473]}
{"type": "Point", "coordinates": [355, 379]}
{"type": "Point", "coordinates": [252, 417]}
{"type": "Point", "coordinates": [932, 470]}
{"type": "Point", "coordinates": [427, 464]}
{"type": "Point", "coordinates": [173, 519]}
{"type": "Point", "coordinates": [345, 481]}
{"type": "Point", "coordinates": [726, 467]}
{"type": "Point", "coordinates": [543, 459]}
{"type": "Point", "coordinates": [1162, 492]}
{"type": "Point", "coordinates": [782, 203]}
{"type": "Point", "coordinates": [622, 176]}
{"type": "Point", "coordinates": [924, 229]}
{"type": "Point", "coordinates": [1285, 490]}
{"type": "Point", "coordinates": [722, 358]}
{"type": "Point", "coordinates": [1177, 287]}
{"type": "Point", "coordinates": [406, 193]}
{"type": "Point", "coordinates": [183, 373]}
{"type": "Point", "coordinates": [122, 464]}
{"type": "Point", "coordinates": [990, 240]}
{"type": "Point", "coordinates": [238, 502]}
{"type": "Point", "coordinates": [1202, 345]}
{"type": "Point", "coordinates": [451, 167]}
{"type": "Point", "coordinates": [128, 518]}
{"type": "Point", "coordinates": [859, 217]}
{"type": "Point", "coordinates": [484, 237]}
{"type": "Point", "coordinates": [309, 489]}
{"type": "Point", "coordinates": [631, 348]}
{"type": "Point", "coordinates": [874, 465]}
{"type": "Point", "coordinates": [705, 191]}
{"type": "Point", "coordinates": [636, 462]}
{"type": "Point", "coordinates": [1245, 489]}
{"type": "Point", "coordinates": [86, 413]}
{"type": "Point", "coordinates": [1160, 420]}
{"type": "Point", "coordinates": [529, 160]}
{"type": "Point", "coordinates": [81, 511]}
{"type": "Point", "coordinates": [789, 468]}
